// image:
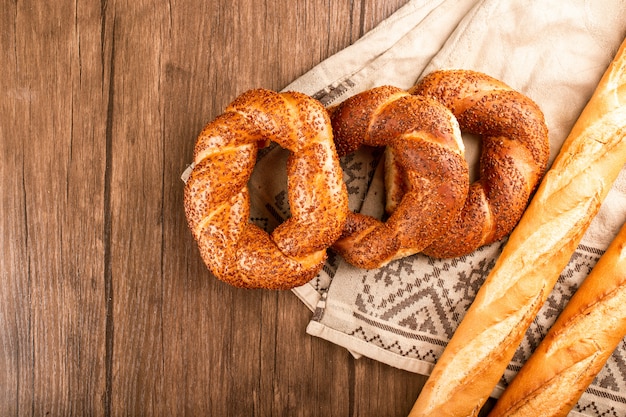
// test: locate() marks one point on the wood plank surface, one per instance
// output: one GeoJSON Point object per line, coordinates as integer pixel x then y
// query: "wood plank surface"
{"type": "Point", "coordinates": [106, 308]}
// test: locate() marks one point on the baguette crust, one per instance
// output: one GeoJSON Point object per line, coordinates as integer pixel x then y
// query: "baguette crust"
{"type": "Point", "coordinates": [577, 346]}
{"type": "Point", "coordinates": [537, 251]}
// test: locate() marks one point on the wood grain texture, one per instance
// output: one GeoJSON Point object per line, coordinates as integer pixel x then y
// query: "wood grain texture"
{"type": "Point", "coordinates": [106, 308]}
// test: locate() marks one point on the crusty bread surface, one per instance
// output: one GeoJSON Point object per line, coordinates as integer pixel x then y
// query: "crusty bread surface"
{"type": "Point", "coordinates": [577, 346]}
{"type": "Point", "coordinates": [514, 155]}
{"type": "Point", "coordinates": [425, 140]}
{"type": "Point", "coordinates": [537, 251]}
{"type": "Point", "coordinates": [217, 199]}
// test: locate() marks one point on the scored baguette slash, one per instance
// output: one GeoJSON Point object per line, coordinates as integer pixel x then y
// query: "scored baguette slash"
{"type": "Point", "coordinates": [577, 345]}
{"type": "Point", "coordinates": [535, 254]}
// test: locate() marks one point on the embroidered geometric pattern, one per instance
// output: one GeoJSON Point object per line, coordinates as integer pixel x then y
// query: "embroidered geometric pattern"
{"type": "Point", "coordinates": [414, 315]}
{"type": "Point", "coordinates": [411, 307]}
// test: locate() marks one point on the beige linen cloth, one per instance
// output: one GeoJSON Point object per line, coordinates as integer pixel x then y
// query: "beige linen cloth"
{"type": "Point", "coordinates": [555, 52]}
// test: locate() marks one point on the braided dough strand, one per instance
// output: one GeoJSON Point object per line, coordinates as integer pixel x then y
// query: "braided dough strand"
{"type": "Point", "coordinates": [217, 203]}
{"type": "Point", "coordinates": [425, 141]}
{"type": "Point", "coordinates": [514, 156]}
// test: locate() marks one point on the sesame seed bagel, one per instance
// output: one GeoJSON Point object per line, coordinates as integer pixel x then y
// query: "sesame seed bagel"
{"type": "Point", "coordinates": [429, 172]}
{"type": "Point", "coordinates": [216, 196]}
{"type": "Point", "coordinates": [514, 155]}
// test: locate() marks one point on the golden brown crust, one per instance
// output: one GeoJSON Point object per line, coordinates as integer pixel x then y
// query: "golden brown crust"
{"type": "Point", "coordinates": [425, 140]}
{"type": "Point", "coordinates": [535, 254]}
{"type": "Point", "coordinates": [593, 322]}
{"type": "Point", "coordinates": [515, 152]}
{"type": "Point", "coordinates": [577, 346]}
{"type": "Point", "coordinates": [216, 195]}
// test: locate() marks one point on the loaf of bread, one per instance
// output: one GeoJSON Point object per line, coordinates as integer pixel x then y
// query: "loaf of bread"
{"type": "Point", "coordinates": [537, 251]}
{"type": "Point", "coordinates": [577, 346]}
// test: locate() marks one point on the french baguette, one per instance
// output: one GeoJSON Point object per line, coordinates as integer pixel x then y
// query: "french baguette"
{"type": "Point", "coordinates": [577, 346]}
{"type": "Point", "coordinates": [537, 251]}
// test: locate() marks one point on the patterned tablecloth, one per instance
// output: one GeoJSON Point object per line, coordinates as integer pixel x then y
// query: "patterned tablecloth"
{"type": "Point", "coordinates": [403, 314]}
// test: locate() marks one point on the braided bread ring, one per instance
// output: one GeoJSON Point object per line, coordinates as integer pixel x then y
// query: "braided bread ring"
{"type": "Point", "coordinates": [216, 197]}
{"type": "Point", "coordinates": [514, 156]}
{"type": "Point", "coordinates": [425, 140]}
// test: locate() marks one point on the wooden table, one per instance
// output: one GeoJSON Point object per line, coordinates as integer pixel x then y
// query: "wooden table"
{"type": "Point", "coordinates": [106, 308]}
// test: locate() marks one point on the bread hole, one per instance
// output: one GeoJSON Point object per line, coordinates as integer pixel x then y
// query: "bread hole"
{"type": "Point", "coordinates": [269, 202]}
{"type": "Point", "coordinates": [473, 148]}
